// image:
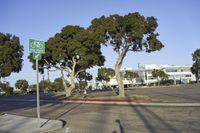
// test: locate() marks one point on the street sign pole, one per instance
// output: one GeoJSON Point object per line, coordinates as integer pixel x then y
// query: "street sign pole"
{"type": "Point", "coordinates": [38, 96]}
{"type": "Point", "coordinates": [37, 47]}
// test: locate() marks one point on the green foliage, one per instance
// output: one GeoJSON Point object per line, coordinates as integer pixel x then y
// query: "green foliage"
{"type": "Point", "coordinates": [56, 85]}
{"type": "Point", "coordinates": [196, 55]}
{"type": "Point", "coordinates": [159, 73]}
{"type": "Point", "coordinates": [6, 88]}
{"type": "Point", "coordinates": [130, 75]}
{"type": "Point", "coordinates": [72, 41]}
{"type": "Point", "coordinates": [44, 84]}
{"type": "Point", "coordinates": [195, 69]}
{"type": "Point", "coordinates": [82, 85]}
{"type": "Point", "coordinates": [22, 85]}
{"type": "Point", "coordinates": [82, 79]}
{"type": "Point", "coordinates": [32, 88]}
{"type": "Point", "coordinates": [104, 74]}
{"type": "Point", "coordinates": [84, 76]}
{"type": "Point", "coordinates": [11, 52]}
{"type": "Point", "coordinates": [133, 32]}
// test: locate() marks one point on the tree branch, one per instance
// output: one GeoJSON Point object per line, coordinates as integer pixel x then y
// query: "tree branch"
{"type": "Point", "coordinates": [79, 72]}
{"type": "Point", "coordinates": [51, 65]}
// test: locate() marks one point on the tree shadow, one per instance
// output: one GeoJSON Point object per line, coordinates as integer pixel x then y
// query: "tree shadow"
{"type": "Point", "coordinates": [64, 113]}
{"type": "Point", "coordinates": [154, 123]}
{"type": "Point", "coordinates": [120, 126]}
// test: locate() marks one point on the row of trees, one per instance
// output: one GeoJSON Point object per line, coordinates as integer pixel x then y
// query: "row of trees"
{"type": "Point", "coordinates": [76, 49]}
{"type": "Point", "coordinates": [105, 74]}
{"type": "Point", "coordinates": [44, 85]}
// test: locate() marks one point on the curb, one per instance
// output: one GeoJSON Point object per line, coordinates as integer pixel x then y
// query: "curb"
{"type": "Point", "coordinates": [53, 129]}
{"type": "Point", "coordinates": [147, 103]}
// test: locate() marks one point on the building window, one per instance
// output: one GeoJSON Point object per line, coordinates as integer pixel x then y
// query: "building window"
{"type": "Point", "coordinates": [171, 70]}
{"type": "Point", "coordinates": [188, 75]}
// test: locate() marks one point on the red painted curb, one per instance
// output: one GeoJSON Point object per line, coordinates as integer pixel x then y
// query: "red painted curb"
{"type": "Point", "coordinates": [105, 100]}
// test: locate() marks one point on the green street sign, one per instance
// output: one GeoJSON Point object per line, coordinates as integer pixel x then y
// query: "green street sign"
{"type": "Point", "coordinates": [36, 46]}
{"type": "Point", "coordinates": [37, 56]}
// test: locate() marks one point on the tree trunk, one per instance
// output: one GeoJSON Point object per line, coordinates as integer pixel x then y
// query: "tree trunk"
{"type": "Point", "coordinates": [158, 81]}
{"type": "Point", "coordinates": [131, 83]}
{"type": "Point", "coordinates": [68, 89]}
{"type": "Point", "coordinates": [117, 70]}
{"type": "Point", "coordinates": [119, 80]}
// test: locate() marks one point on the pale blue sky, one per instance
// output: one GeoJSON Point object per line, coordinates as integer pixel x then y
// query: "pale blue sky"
{"type": "Point", "coordinates": [40, 19]}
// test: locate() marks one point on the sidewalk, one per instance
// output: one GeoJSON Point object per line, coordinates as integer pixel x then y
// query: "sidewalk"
{"type": "Point", "coordinates": [20, 124]}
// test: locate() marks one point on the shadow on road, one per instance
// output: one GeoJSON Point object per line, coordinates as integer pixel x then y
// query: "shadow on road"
{"type": "Point", "coordinates": [120, 127]}
{"type": "Point", "coordinates": [74, 107]}
{"type": "Point", "coordinates": [152, 121]}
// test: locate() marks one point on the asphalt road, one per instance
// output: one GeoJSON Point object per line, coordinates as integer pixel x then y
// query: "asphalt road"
{"type": "Point", "coordinates": [174, 94]}
{"type": "Point", "coordinates": [99, 118]}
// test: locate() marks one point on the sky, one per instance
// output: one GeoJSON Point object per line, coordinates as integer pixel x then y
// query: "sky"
{"type": "Point", "coordinates": [178, 26]}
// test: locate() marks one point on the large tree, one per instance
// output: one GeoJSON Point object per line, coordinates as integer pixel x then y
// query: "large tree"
{"type": "Point", "coordinates": [105, 74]}
{"type": "Point", "coordinates": [132, 32]}
{"type": "Point", "coordinates": [22, 85]}
{"type": "Point", "coordinates": [130, 75]}
{"type": "Point", "coordinates": [73, 50]}
{"type": "Point", "coordinates": [11, 52]}
{"type": "Point", "coordinates": [195, 69]}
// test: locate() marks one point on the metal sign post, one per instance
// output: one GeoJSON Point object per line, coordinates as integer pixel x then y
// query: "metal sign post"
{"type": "Point", "coordinates": [38, 95]}
{"type": "Point", "coordinates": [37, 47]}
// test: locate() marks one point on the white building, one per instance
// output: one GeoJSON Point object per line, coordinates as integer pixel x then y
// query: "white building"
{"type": "Point", "coordinates": [177, 74]}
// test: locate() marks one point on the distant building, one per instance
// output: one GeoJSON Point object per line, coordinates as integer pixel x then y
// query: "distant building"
{"type": "Point", "coordinates": [177, 73]}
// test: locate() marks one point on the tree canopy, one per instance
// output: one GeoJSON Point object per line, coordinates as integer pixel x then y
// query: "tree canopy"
{"type": "Point", "coordinates": [11, 52]}
{"type": "Point", "coordinates": [104, 74]}
{"type": "Point", "coordinates": [6, 88]}
{"type": "Point", "coordinates": [130, 75]}
{"type": "Point", "coordinates": [195, 69]}
{"type": "Point", "coordinates": [132, 32]}
{"type": "Point", "coordinates": [22, 85]}
{"type": "Point", "coordinates": [84, 76]}
{"type": "Point", "coordinates": [73, 50]}
{"type": "Point", "coordinates": [159, 74]}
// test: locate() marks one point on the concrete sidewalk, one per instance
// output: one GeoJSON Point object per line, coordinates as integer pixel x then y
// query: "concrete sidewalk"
{"type": "Point", "coordinates": [20, 124]}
